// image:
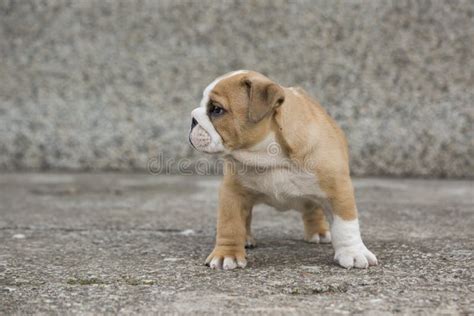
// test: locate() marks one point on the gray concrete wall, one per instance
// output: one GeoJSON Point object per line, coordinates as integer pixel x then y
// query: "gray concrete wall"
{"type": "Point", "coordinates": [110, 84]}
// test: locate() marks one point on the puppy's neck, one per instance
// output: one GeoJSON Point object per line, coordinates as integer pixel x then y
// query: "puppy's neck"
{"type": "Point", "coordinates": [268, 153]}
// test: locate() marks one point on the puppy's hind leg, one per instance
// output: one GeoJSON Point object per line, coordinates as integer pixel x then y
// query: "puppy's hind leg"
{"type": "Point", "coordinates": [250, 242]}
{"type": "Point", "coordinates": [316, 227]}
{"type": "Point", "coordinates": [346, 239]}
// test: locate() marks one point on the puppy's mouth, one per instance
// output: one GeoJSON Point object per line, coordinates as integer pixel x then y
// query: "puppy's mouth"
{"type": "Point", "coordinates": [203, 136]}
{"type": "Point", "coordinates": [199, 138]}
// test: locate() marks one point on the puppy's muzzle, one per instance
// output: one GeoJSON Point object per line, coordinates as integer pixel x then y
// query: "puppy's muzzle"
{"type": "Point", "coordinates": [198, 137]}
{"type": "Point", "coordinates": [203, 136]}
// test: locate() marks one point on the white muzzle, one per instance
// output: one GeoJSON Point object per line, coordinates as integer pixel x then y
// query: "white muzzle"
{"type": "Point", "coordinates": [203, 136]}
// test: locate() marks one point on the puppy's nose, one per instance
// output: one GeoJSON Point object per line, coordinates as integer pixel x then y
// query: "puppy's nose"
{"type": "Point", "coordinates": [193, 123]}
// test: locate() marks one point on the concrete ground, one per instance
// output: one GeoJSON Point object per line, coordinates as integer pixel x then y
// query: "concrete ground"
{"type": "Point", "coordinates": [109, 243]}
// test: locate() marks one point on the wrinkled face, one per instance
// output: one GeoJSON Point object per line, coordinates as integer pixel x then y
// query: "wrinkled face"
{"type": "Point", "coordinates": [234, 112]}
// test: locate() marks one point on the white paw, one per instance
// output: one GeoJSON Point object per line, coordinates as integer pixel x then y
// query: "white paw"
{"type": "Point", "coordinates": [317, 238]}
{"type": "Point", "coordinates": [218, 259]}
{"type": "Point", "coordinates": [357, 256]}
{"type": "Point", "coordinates": [326, 238]}
{"type": "Point", "coordinates": [313, 239]}
{"type": "Point", "coordinates": [228, 263]}
{"type": "Point", "coordinates": [250, 242]}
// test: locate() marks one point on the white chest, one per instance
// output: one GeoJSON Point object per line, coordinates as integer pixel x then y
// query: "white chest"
{"type": "Point", "coordinates": [280, 182]}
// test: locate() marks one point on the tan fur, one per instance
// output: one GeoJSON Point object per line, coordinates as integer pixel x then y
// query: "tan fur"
{"type": "Point", "coordinates": [249, 240]}
{"type": "Point", "coordinates": [307, 136]}
{"type": "Point", "coordinates": [236, 130]}
{"type": "Point", "coordinates": [312, 135]}
{"type": "Point", "coordinates": [315, 223]}
{"type": "Point", "coordinates": [235, 206]}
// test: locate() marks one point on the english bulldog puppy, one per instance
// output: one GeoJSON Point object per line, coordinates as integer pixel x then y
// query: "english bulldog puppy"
{"type": "Point", "coordinates": [280, 148]}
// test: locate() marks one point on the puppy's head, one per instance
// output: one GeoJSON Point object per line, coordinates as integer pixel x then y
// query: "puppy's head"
{"type": "Point", "coordinates": [234, 112]}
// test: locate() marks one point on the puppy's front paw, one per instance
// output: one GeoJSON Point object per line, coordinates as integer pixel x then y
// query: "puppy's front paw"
{"type": "Point", "coordinates": [357, 256]}
{"type": "Point", "coordinates": [226, 259]}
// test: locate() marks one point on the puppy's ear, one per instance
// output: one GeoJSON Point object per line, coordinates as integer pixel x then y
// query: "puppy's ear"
{"type": "Point", "coordinates": [264, 97]}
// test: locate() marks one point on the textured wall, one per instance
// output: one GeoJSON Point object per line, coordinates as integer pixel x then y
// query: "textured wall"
{"type": "Point", "coordinates": [109, 84]}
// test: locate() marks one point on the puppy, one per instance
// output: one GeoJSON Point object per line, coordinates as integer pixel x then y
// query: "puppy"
{"type": "Point", "coordinates": [281, 148]}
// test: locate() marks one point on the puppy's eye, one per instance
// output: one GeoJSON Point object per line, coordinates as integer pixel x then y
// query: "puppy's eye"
{"type": "Point", "coordinates": [215, 110]}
